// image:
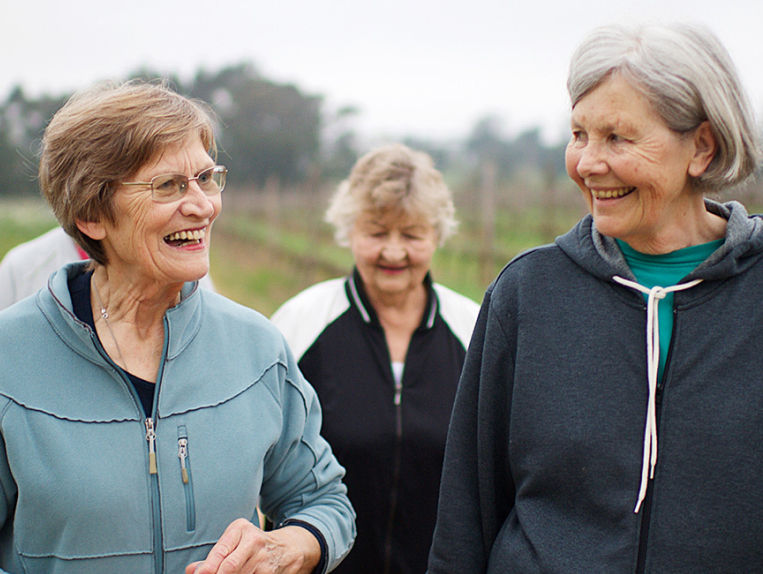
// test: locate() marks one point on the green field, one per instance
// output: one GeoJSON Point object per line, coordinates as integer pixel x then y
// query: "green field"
{"type": "Point", "coordinates": [266, 247]}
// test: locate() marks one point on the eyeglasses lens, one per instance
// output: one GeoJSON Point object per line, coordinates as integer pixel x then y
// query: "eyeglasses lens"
{"type": "Point", "coordinates": [167, 188]}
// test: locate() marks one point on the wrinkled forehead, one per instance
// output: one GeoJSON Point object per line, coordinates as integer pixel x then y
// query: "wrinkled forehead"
{"type": "Point", "coordinates": [394, 217]}
{"type": "Point", "coordinates": [185, 157]}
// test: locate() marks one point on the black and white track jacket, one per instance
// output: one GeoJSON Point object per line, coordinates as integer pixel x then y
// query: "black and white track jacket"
{"type": "Point", "coordinates": [390, 440]}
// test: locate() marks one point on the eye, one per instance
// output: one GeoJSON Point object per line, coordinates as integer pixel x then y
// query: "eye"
{"type": "Point", "coordinates": [205, 177]}
{"type": "Point", "coordinates": [164, 182]}
{"type": "Point", "coordinates": [166, 186]}
{"type": "Point", "coordinates": [616, 138]}
{"type": "Point", "coordinates": [579, 137]}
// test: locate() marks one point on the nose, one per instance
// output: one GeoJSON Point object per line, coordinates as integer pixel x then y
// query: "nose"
{"type": "Point", "coordinates": [591, 160]}
{"type": "Point", "coordinates": [394, 249]}
{"type": "Point", "coordinates": [196, 202]}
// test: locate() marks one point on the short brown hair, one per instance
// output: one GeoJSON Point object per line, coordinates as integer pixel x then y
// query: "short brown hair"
{"type": "Point", "coordinates": [104, 135]}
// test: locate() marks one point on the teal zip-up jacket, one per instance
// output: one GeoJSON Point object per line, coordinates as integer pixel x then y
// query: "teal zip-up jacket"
{"type": "Point", "coordinates": [234, 425]}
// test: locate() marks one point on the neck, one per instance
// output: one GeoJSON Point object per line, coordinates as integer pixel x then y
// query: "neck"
{"type": "Point", "coordinates": [406, 304]}
{"type": "Point", "coordinates": [694, 227]}
{"type": "Point", "coordinates": [400, 316]}
{"type": "Point", "coordinates": [130, 321]}
{"type": "Point", "coordinates": [400, 312]}
{"type": "Point", "coordinates": [143, 306]}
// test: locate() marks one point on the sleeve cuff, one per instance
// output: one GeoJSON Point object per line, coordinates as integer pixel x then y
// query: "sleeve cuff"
{"type": "Point", "coordinates": [322, 563]}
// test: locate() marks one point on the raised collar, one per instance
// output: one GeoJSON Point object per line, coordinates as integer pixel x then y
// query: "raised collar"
{"type": "Point", "coordinates": [356, 293]}
{"type": "Point", "coordinates": [184, 319]}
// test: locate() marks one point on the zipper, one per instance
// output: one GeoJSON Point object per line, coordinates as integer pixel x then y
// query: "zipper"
{"type": "Point", "coordinates": [153, 472]}
{"type": "Point", "coordinates": [646, 506]}
{"type": "Point", "coordinates": [150, 435]}
{"type": "Point", "coordinates": [185, 478]}
{"type": "Point", "coordinates": [397, 401]}
{"type": "Point", "coordinates": [183, 455]}
{"type": "Point", "coordinates": [151, 438]}
{"type": "Point", "coordinates": [398, 393]}
{"type": "Point", "coordinates": [156, 498]}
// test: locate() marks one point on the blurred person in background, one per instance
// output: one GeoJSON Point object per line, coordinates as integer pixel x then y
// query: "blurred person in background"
{"type": "Point", "coordinates": [384, 348]}
{"type": "Point", "coordinates": [144, 419]}
{"type": "Point", "coordinates": [26, 267]}
{"type": "Point", "coordinates": [641, 327]}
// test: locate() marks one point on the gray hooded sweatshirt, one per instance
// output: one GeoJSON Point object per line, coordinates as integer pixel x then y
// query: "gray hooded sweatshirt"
{"type": "Point", "coordinates": [551, 465]}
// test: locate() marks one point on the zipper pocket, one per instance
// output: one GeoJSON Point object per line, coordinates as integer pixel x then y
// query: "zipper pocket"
{"type": "Point", "coordinates": [185, 478]}
{"type": "Point", "coordinates": [151, 438]}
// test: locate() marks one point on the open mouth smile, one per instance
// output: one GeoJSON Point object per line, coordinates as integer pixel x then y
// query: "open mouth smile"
{"type": "Point", "coordinates": [185, 237]}
{"type": "Point", "coordinates": [611, 193]}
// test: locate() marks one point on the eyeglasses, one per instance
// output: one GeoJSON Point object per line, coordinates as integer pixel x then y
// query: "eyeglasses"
{"type": "Point", "coordinates": [171, 187]}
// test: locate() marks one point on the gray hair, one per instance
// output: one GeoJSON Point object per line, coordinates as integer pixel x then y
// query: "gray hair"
{"type": "Point", "coordinates": [688, 76]}
{"type": "Point", "coordinates": [392, 177]}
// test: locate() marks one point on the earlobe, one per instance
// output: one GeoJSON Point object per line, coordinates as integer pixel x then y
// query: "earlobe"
{"type": "Point", "coordinates": [93, 229]}
{"type": "Point", "coordinates": [705, 148]}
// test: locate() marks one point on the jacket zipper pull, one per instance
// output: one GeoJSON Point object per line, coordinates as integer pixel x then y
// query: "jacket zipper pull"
{"type": "Point", "coordinates": [182, 455]}
{"type": "Point", "coordinates": [151, 438]}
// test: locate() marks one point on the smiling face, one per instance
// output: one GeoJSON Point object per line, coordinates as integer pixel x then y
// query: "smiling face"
{"type": "Point", "coordinates": [634, 171]}
{"type": "Point", "coordinates": [393, 252]}
{"type": "Point", "coordinates": [164, 243]}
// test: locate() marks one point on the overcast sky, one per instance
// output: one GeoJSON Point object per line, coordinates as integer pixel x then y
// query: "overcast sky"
{"type": "Point", "coordinates": [429, 68]}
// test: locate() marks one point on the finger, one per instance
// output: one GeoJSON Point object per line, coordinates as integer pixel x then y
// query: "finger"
{"type": "Point", "coordinates": [246, 555]}
{"type": "Point", "coordinates": [224, 546]}
{"type": "Point", "coordinates": [242, 559]}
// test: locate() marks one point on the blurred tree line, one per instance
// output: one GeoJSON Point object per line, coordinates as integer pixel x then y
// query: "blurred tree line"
{"type": "Point", "coordinates": [274, 133]}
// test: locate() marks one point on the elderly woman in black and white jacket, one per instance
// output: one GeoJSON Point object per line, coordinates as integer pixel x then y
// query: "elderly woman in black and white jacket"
{"type": "Point", "coordinates": [384, 348]}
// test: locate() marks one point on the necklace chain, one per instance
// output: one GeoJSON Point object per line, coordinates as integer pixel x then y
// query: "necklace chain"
{"type": "Point", "coordinates": [105, 316]}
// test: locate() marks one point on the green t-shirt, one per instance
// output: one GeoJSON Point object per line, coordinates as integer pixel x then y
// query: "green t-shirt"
{"type": "Point", "coordinates": [665, 270]}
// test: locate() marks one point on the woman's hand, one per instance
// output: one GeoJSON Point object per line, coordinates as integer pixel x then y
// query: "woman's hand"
{"type": "Point", "coordinates": [245, 549]}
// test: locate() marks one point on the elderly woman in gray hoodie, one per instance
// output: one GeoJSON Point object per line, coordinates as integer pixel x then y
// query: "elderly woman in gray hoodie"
{"type": "Point", "coordinates": [640, 328]}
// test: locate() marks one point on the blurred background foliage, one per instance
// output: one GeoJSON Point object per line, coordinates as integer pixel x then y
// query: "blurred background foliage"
{"type": "Point", "coordinates": [286, 152]}
{"type": "Point", "coordinates": [271, 132]}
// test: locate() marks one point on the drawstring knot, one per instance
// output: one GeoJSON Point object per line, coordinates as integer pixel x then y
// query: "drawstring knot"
{"type": "Point", "coordinates": [654, 296]}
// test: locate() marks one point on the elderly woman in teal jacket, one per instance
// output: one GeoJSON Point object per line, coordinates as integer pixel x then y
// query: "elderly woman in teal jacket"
{"type": "Point", "coordinates": [143, 419]}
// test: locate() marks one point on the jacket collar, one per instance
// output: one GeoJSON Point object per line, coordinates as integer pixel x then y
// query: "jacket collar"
{"type": "Point", "coordinates": [601, 256]}
{"type": "Point", "coordinates": [356, 293]}
{"type": "Point", "coordinates": [54, 301]}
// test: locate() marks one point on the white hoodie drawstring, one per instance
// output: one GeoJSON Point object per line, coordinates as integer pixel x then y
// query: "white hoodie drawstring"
{"type": "Point", "coordinates": [656, 294]}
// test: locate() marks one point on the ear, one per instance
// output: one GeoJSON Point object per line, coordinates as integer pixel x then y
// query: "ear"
{"type": "Point", "coordinates": [705, 147]}
{"type": "Point", "coordinates": [93, 229]}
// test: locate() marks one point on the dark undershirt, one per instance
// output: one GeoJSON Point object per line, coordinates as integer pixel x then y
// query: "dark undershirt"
{"type": "Point", "coordinates": [79, 288]}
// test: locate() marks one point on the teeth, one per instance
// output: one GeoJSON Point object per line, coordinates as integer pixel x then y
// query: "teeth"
{"type": "Point", "coordinates": [194, 235]}
{"type": "Point", "coordinates": [610, 193]}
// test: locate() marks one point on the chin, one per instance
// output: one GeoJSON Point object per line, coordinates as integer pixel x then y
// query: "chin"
{"type": "Point", "coordinates": [395, 289]}
{"type": "Point", "coordinates": [188, 276]}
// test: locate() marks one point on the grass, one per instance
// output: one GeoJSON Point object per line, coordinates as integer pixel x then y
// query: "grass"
{"type": "Point", "coordinates": [262, 257]}
{"type": "Point", "coordinates": [260, 260]}
{"type": "Point", "coordinates": [21, 220]}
